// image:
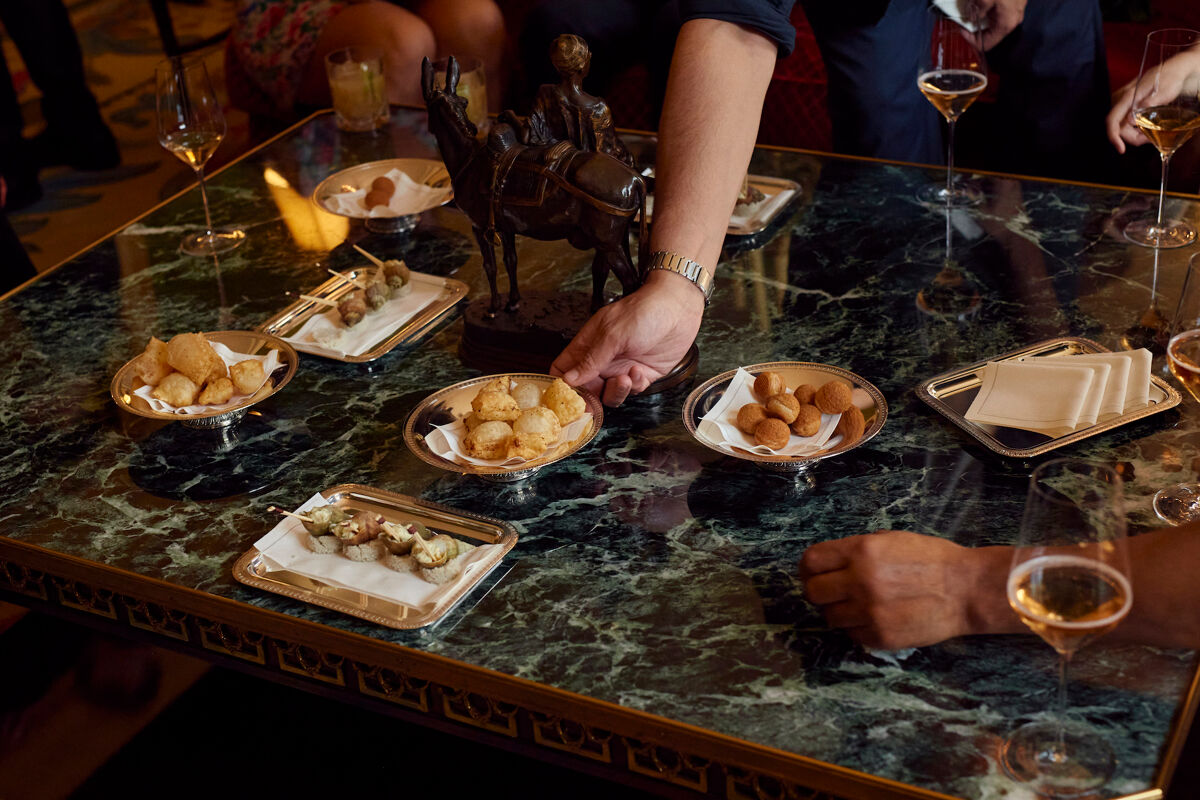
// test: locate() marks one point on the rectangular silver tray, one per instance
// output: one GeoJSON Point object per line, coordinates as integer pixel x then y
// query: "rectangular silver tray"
{"type": "Point", "coordinates": [767, 210]}
{"type": "Point", "coordinates": [951, 393]}
{"type": "Point", "coordinates": [251, 570]}
{"type": "Point", "coordinates": [291, 318]}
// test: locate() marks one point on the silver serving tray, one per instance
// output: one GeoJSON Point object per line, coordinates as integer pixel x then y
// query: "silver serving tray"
{"type": "Point", "coordinates": [289, 320]}
{"type": "Point", "coordinates": [951, 393]}
{"type": "Point", "coordinates": [704, 397]}
{"type": "Point", "coordinates": [251, 570]}
{"type": "Point", "coordinates": [766, 212]}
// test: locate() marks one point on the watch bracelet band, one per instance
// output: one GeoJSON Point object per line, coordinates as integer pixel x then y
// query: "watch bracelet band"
{"type": "Point", "coordinates": [692, 270]}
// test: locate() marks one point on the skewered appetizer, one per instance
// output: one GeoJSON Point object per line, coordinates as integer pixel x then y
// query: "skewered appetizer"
{"type": "Point", "coordinates": [391, 279]}
{"type": "Point", "coordinates": [187, 370]}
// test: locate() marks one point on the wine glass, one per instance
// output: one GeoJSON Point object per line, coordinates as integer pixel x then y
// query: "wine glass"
{"type": "Point", "coordinates": [1069, 582]}
{"type": "Point", "coordinates": [191, 125]}
{"type": "Point", "coordinates": [1166, 108]}
{"type": "Point", "coordinates": [953, 76]}
{"type": "Point", "coordinates": [1181, 503]}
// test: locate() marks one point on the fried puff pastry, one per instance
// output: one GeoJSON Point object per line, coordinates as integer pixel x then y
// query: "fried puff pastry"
{"type": "Point", "coordinates": [564, 401]}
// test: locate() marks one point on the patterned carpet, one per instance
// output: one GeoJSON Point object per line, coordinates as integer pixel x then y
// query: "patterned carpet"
{"type": "Point", "coordinates": [121, 46]}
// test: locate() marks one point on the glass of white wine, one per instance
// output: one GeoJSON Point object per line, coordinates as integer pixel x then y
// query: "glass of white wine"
{"type": "Point", "coordinates": [1069, 582]}
{"type": "Point", "coordinates": [1181, 503]}
{"type": "Point", "coordinates": [952, 78]}
{"type": "Point", "coordinates": [191, 125]}
{"type": "Point", "coordinates": [1166, 108]}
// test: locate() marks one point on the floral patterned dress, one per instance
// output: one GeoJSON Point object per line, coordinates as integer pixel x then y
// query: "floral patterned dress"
{"type": "Point", "coordinates": [273, 40]}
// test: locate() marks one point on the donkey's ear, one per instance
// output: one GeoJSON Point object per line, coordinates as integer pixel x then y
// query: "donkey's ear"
{"type": "Point", "coordinates": [426, 78]}
{"type": "Point", "coordinates": [452, 75]}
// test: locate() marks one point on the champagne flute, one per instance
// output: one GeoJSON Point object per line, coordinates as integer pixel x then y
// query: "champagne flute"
{"type": "Point", "coordinates": [1166, 108]}
{"type": "Point", "coordinates": [953, 76]}
{"type": "Point", "coordinates": [1069, 582]}
{"type": "Point", "coordinates": [191, 125]}
{"type": "Point", "coordinates": [1181, 503]}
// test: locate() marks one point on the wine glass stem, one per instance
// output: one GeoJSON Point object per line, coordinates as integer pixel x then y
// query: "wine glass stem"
{"type": "Point", "coordinates": [204, 197]}
{"type": "Point", "coordinates": [1064, 661]}
{"type": "Point", "coordinates": [1162, 192]}
{"type": "Point", "coordinates": [950, 163]}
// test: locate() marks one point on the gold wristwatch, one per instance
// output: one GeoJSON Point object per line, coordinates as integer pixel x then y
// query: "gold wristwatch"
{"type": "Point", "coordinates": [693, 271]}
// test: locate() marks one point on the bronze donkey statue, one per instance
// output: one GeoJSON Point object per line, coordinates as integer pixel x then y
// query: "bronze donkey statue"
{"type": "Point", "coordinates": [545, 192]}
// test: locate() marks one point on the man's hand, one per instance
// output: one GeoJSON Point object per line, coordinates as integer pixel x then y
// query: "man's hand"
{"type": "Point", "coordinates": [633, 342]}
{"type": "Point", "coordinates": [999, 17]}
{"type": "Point", "coordinates": [896, 589]}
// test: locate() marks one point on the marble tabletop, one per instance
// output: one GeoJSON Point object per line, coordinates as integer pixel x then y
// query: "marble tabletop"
{"type": "Point", "coordinates": [651, 572]}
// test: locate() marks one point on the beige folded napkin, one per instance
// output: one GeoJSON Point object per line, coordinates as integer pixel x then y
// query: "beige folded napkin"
{"type": "Point", "coordinates": [409, 197]}
{"type": "Point", "coordinates": [325, 332]}
{"type": "Point", "coordinates": [1016, 394]}
{"type": "Point", "coordinates": [1093, 401]}
{"type": "Point", "coordinates": [1115, 390]}
{"type": "Point", "coordinates": [719, 425]}
{"type": "Point", "coordinates": [285, 547]}
{"type": "Point", "coordinates": [270, 362]}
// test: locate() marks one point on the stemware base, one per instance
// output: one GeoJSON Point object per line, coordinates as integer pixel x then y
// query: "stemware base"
{"type": "Point", "coordinates": [1148, 233]}
{"type": "Point", "coordinates": [964, 195]}
{"type": "Point", "coordinates": [1055, 759]}
{"type": "Point", "coordinates": [213, 243]}
{"type": "Point", "coordinates": [1178, 504]}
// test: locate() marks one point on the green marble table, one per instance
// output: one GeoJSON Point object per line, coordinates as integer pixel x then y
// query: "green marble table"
{"type": "Point", "coordinates": [648, 622]}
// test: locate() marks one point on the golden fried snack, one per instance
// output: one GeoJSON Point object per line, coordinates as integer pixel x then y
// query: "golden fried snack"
{"type": "Point", "coordinates": [151, 365]}
{"type": "Point", "coordinates": [768, 383]}
{"type": "Point", "coordinates": [473, 421]}
{"type": "Point", "coordinates": [490, 440]}
{"type": "Point", "coordinates": [807, 422]}
{"type": "Point", "coordinates": [177, 390]}
{"type": "Point", "coordinates": [217, 392]}
{"type": "Point", "coordinates": [773, 433]}
{"type": "Point", "coordinates": [501, 384]}
{"type": "Point", "coordinates": [783, 406]}
{"type": "Point", "coordinates": [832, 398]}
{"type": "Point", "coordinates": [491, 405]}
{"type": "Point", "coordinates": [851, 425]}
{"type": "Point", "coordinates": [749, 416]}
{"type": "Point", "coordinates": [528, 445]}
{"type": "Point", "coordinates": [564, 401]}
{"type": "Point", "coordinates": [247, 375]}
{"type": "Point", "coordinates": [540, 421]}
{"type": "Point", "coordinates": [527, 394]}
{"type": "Point", "coordinates": [191, 354]}
{"type": "Point", "coordinates": [804, 393]}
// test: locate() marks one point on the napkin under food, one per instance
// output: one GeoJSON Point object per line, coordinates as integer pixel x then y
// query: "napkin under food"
{"type": "Point", "coordinates": [409, 197]}
{"type": "Point", "coordinates": [719, 425]}
{"type": "Point", "coordinates": [285, 547]}
{"type": "Point", "coordinates": [270, 362]}
{"type": "Point", "coordinates": [447, 442]}
{"type": "Point", "coordinates": [327, 333]}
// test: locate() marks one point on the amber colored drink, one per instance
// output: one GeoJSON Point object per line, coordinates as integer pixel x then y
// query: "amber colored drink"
{"type": "Point", "coordinates": [193, 147]}
{"type": "Point", "coordinates": [1168, 127]}
{"type": "Point", "coordinates": [1183, 352]}
{"type": "Point", "coordinates": [952, 91]}
{"type": "Point", "coordinates": [1068, 600]}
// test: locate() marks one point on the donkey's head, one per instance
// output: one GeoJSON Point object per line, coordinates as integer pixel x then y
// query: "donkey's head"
{"type": "Point", "coordinates": [445, 101]}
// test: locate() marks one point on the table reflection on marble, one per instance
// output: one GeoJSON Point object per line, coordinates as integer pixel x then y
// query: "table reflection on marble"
{"type": "Point", "coordinates": [654, 578]}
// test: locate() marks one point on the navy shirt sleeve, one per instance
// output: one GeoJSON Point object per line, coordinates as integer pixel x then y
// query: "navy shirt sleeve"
{"type": "Point", "coordinates": [771, 18]}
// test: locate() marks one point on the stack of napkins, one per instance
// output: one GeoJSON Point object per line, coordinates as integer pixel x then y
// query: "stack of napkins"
{"type": "Point", "coordinates": [1060, 395]}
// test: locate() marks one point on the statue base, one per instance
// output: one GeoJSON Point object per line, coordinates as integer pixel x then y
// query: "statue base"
{"type": "Point", "coordinates": [530, 338]}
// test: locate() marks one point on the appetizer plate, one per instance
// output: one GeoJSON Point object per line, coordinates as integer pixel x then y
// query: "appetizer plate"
{"type": "Point", "coordinates": [454, 402]}
{"type": "Point", "coordinates": [251, 343]}
{"type": "Point", "coordinates": [951, 394]}
{"type": "Point", "coordinates": [290, 319]}
{"type": "Point", "coordinates": [253, 570]}
{"type": "Point", "coordinates": [794, 373]}
{"type": "Point", "coordinates": [429, 171]}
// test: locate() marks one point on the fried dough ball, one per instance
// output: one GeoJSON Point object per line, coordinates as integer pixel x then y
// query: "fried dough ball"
{"type": "Point", "coordinates": [491, 404]}
{"type": "Point", "coordinates": [217, 392]}
{"type": "Point", "coordinates": [490, 440]}
{"type": "Point", "coordinates": [564, 401]}
{"type": "Point", "coordinates": [768, 383]}
{"type": "Point", "coordinates": [783, 406]}
{"type": "Point", "coordinates": [528, 445]}
{"type": "Point", "coordinates": [527, 394]}
{"type": "Point", "coordinates": [473, 421]}
{"type": "Point", "coordinates": [191, 354]}
{"type": "Point", "coordinates": [807, 422]}
{"type": "Point", "coordinates": [851, 425]}
{"type": "Point", "coordinates": [247, 375]}
{"type": "Point", "coordinates": [749, 416]}
{"type": "Point", "coordinates": [151, 365]}
{"type": "Point", "coordinates": [832, 398]}
{"type": "Point", "coordinates": [538, 420]}
{"type": "Point", "coordinates": [177, 390]}
{"type": "Point", "coordinates": [383, 184]}
{"type": "Point", "coordinates": [773, 433]}
{"type": "Point", "coordinates": [804, 393]}
{"type": "Point", "coordinates": [500, 384]}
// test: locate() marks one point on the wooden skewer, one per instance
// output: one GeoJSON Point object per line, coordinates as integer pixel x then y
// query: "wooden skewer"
{"type": "Point", "coordinates": [347, 278]}
{"type": "Point", "coordinates": [319, 300]}
{"type": "Point", "coordinates": [369, 257]}
{"type": "Point", "coordinates": [300, 517]}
